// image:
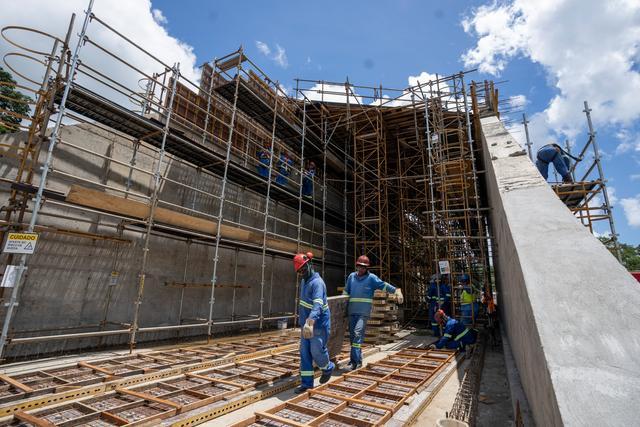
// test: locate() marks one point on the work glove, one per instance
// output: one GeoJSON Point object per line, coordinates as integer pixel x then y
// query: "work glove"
{"type": "Point", "coordinates": [307, 329]}
{"type": "Point", "coordinates": [399, 297]}
{"type": "Point", "coordinates": [432, 347]}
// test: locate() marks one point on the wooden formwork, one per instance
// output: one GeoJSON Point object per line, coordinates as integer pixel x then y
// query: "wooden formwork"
{"type": "Point", "coordinates": [190, 396]}
{"type": "Point", "coordinates": [368, 396]}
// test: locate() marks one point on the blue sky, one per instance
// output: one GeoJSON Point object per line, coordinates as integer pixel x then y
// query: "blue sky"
{"type": "Point", "coordinates": [550, 56]}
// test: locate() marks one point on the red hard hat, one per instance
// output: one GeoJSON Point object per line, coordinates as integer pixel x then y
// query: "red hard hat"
{"type": "Point", "coordinates": [301, 259]}
{"type": "Point", "coordinates": [439, 316]}
{"type": "Point", "coordinates": [363, 260]}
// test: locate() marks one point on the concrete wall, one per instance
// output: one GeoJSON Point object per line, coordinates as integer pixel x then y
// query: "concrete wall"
{"type": "Point", "coordinates": [67, 284]}
{"type": "Point", "coordinates": [569, 308]}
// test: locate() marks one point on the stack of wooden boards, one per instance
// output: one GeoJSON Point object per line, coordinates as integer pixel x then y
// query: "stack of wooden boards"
{"type": "Point", "coordinates": [383, 323]}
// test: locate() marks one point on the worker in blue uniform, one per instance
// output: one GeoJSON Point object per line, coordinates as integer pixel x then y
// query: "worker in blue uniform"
{"type": "Point", "coordinates": [553, 153]}
{"type": "Point", "coordinates": [456, 335]}
{"type": "Point", "coordinates": [432, 299]}
{"type": "Point", "coordinates": [264, 159]}
{"type": "Point", "coordinates": [360, 287]}
{"type": "Point", "coordinates": [439, 295]}
{"type": "Point", "coordinates": [284, 168]}
{"type": "Point", "coordinates": [315, 322]}
{"type": "Point", "coordinates": [468, 302]}
{"type": "Point", "coordinates": [307, 179]}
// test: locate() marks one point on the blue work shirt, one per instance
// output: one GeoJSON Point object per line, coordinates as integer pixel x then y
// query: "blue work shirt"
{"type": "Point", "coordinates": [313, 302]}
{"type": "Point", "coordinates": [360, 291]}
{"type": "Point", "coordinates": [456, 331]}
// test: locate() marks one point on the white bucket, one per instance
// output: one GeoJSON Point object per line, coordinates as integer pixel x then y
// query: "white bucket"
{"type": "Point", "coordinates": [282, 324]}
{"type": "Point", "coordinates": [449, 422]}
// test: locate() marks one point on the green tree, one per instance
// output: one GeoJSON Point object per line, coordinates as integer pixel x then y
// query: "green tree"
{"type": "Point", "coordinates": [13, 101]}
{"type": "Point", "coordinates": [630, 254]}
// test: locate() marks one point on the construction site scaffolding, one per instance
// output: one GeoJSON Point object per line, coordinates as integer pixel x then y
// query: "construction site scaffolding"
{"type": "Point", "coordinates": [174, 123]}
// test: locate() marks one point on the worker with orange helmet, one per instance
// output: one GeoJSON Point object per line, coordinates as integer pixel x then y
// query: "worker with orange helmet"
{"type": "Point", "coordinates": [456, 335]}
{"type": "Point", "coordinates": [360, 287]}
{"type": "Point", "coordinates": [314, 320]}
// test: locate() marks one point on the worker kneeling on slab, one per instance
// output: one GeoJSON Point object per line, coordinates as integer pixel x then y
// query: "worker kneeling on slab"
{"type": "Point", "coordinates": [456, 335]}
{"type": "Point", "coordinates": [315, 323]}
{"type": "Point", "coordinates": [360, 287]}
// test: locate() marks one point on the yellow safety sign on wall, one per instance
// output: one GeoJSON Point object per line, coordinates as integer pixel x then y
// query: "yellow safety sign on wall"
{"type": "Point", "coordinates": [20, 243]}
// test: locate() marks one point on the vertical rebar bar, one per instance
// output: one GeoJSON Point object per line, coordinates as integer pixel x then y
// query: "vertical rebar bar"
{"type": "Point", "coordinates": [525, 123]}
{"type": "Point", "coordinates": [216, 250]}
{"type": "Point", "coordinates": [152, 209]}
{"type": "Point", "coordinates": [266, 207]}
{"type": "Point", "coordinates": [302, 170]}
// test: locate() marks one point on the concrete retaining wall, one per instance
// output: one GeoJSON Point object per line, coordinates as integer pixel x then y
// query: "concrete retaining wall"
{"type": "Point", "coordinates": [570, 310]}
{"type": "Point", "coordinates": [67, 285]}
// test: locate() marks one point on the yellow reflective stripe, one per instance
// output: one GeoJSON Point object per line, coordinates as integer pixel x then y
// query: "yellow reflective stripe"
{"type": "Point", "coordinates": [306, 304]}
{"type": "Point", "coordinates": [356, 345]}
{"type": "Point", "coordinates": [447, 335]}
{"type": "Point", "coordinates": [306, 373]}
{"type": "Point", "coordinates": [318, 300]}
{"type": "Point", "coordinates": [386, 285]}
{"type": "Point", "coordinates": [461, 335]}
{"type": "Point", "coordinates": [369, 300]}
{"type": "Point", "coordinates": [325, 307]}
{"type": "Point", "coordinates": [324, 368]}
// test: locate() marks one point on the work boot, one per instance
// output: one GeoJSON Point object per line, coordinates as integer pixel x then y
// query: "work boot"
{"type": "Point", "coordinates": [356, 366]}
{"type": "Point", "coordinates": [300, 389]}
{"type": "Point", "coordinates": [326, 376]}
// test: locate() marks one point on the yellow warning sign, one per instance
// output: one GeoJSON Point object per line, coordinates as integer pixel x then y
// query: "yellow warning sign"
{"type": "Point", "coordinates": [20, 243]}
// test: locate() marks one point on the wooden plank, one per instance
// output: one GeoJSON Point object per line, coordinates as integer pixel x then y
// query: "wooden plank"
{"type": "Point", "coordinates": [286, 421]}
{"type": "Point", "coordinates": [95, 368]}
{"type": "Point", "coordinates": [27, 418]}
{"type": "Point", "coordinates": [149, 397]}
{"type": "Point", "coordinates": [17, 384]}
{"type": "Point", "coordinates": [110, 203]}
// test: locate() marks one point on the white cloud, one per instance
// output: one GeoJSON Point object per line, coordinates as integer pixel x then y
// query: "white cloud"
{"type": "Point", "coordinates": [279, 55]}
{"type": "Point", "coordinates": [136, 20]}
{"type": "Point", "coordinates": [631, 208]}
{"type": "Point", "coordinates": [159, 17]}
{"type": "Point", "coordinates": [589, 49]}
{"type": "Point", "coordinates": [332, 93]}
{"type": "Point", "coordinates": [628, 141]}
{"type": "Point", "coordinates": [635, 177]}
{"type": "Point", "coordinates": [263, 48]}
{"type": "Point", "coordinates": [611, 192]}
{"type": "Point", "coordinates": [517, 102]}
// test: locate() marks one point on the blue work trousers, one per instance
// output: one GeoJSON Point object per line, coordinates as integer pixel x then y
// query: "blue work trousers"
{"type": "Point", "coordinates": [357, 326]}
{"type": "Point", "coordinates": [548, 155]}
{"type": "Point", "coordinates": [466, 310]}
{"type": "Point", "coordinates": [315, 350]}
{"type": "Point", "coordinates": [433, 308]}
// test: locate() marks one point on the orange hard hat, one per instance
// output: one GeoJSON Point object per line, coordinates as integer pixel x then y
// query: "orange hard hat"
{"type": "Point", "coordinates": [301, 259]}
{"type": "Point", "coordinates": [363, 260]}
{"type": "Point", "coordinates": [440, 316]}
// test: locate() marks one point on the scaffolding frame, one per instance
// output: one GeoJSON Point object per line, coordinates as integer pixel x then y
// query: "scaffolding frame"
{"type": "Point", "coordinates": [402, 161]}
{"type": "Point", "coordinates": [177, 103]}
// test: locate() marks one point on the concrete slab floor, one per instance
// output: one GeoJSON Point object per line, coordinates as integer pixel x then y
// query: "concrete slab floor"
{"type": "Point", "coordinates": [494, 400]}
